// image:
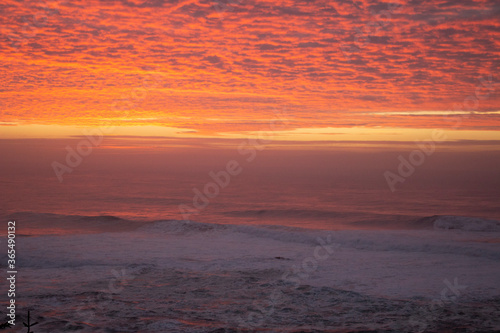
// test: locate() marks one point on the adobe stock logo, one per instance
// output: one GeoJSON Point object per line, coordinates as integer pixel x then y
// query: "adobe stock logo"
{"type": "Point", "coordinates": [416, 158]}
{"type": "Point", "coordinates": [221, 179]}
{"type": "Point", "coordinates": [460, 112]}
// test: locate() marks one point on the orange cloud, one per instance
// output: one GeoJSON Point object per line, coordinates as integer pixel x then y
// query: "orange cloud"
{"type": "Point", "coordinates": [227, 66]}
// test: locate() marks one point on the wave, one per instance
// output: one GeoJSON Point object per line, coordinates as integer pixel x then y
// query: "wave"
{"type": "Point", "coordinates": [104, 231]}
{"type": "Point", "coordinates": [448, 222]}
{"type": "Point", "coordinates": [362, 220]}
{"type": "Point", "coordinates": [274, 232]}
{"type": "Point", "coordinates": [31, 223]}
{"type": "Point", "coordinates": [339, 217]}
{"type": "Point", "coordinates": [434, 222]}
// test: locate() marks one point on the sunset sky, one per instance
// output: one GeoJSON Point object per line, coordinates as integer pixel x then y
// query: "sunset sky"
{"type": "Point", "coordinates": [322, 70]}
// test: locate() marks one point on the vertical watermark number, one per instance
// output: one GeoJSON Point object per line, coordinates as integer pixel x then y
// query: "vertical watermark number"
{"type": "Point", "coordinates": [11, 272]}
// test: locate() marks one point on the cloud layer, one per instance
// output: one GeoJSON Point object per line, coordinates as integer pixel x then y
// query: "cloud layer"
{"type": "Point", "coordinates": [230, 65]}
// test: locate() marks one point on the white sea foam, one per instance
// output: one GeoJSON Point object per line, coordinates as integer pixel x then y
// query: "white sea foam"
{"type": "Point", "coordinates": [198, 277]}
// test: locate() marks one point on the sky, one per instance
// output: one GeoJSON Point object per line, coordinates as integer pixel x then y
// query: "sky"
{"type": "Point", "coordinates": [321, 72]}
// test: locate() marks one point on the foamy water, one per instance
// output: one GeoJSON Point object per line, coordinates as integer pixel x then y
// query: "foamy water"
{"type": "Point", "coordinates": [182, 276]}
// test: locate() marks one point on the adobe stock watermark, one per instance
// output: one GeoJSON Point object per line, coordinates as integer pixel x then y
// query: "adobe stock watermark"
{"type": "Point", "coordinates": [417, 157]}
{"type": "Point", "coordinates": [222, 178]}
{"type": "Point", "coordinates": [421, 319]}
{"type": "Point", "coordinates": [295, 275]}
{"type": "Point", "coordinates": [94, 136]}
{"type": "Point", "coordinates": [379, 21]}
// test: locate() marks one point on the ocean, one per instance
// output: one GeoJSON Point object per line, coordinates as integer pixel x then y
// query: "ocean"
{"type": "Point", "coordinates": [287, 245]}
{"type": "Point", "coordinates": [251, 198]}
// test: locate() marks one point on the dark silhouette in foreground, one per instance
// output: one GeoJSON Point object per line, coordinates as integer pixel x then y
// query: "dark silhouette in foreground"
{"type": "Point", "coordinates": [28, 325]}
